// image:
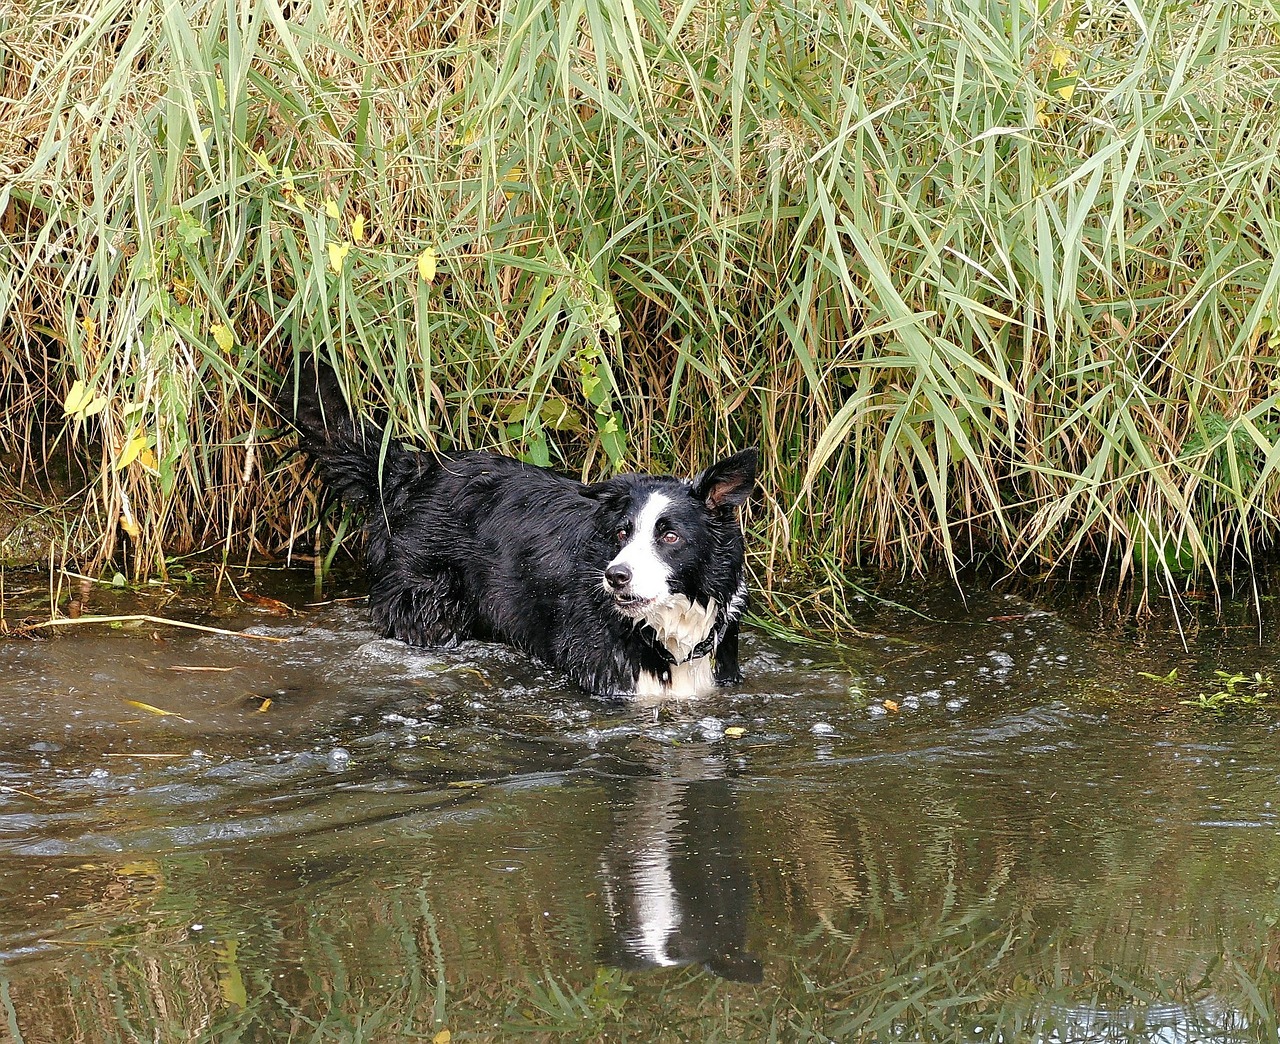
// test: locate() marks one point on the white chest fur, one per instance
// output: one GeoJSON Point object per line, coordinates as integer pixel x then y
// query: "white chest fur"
{"type": "Point", "coordinates": [681, 624]}
{"type": "Point", "coordinates": [689, 679]}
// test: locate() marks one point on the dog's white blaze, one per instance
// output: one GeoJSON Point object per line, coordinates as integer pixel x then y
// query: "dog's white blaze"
{"type": "Point", "coordinates": [694, 678]}
{"type": "Point", "coordinates": [650, 577]}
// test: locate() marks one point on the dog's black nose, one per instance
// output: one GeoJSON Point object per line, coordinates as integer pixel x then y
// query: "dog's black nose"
{"type": "Point", "coordinates": [618, 576]}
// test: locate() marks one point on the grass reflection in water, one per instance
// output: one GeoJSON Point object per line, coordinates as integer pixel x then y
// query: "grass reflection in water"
{"type": "Point", "coordinates": [493, 867]}
{"type": "Point", "coordinates": [467, 918]}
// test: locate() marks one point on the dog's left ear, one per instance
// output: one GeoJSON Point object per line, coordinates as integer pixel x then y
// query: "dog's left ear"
{"type": "Point", "coordinates": [608, 492]}
{"type": "Point", "coordinates": [729, 482]}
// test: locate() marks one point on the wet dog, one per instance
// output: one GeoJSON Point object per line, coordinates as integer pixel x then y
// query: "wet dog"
{"type": "Point", "coordinates": [631, 586]}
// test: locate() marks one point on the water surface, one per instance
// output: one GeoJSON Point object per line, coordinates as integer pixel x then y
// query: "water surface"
{"type": "Point", "coordinates": [335, 837]}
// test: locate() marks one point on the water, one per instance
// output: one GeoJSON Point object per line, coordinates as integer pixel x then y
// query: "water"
{"type": "Point", "coordinates": [961, 828]}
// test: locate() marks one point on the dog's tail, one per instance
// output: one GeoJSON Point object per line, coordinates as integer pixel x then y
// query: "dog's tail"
{"type": "Point", "coordinates": [349, 452]}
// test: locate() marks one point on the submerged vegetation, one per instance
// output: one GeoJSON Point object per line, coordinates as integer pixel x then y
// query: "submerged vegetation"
{"type": "Point", "coordinates": [977, 275]}
{"type": "Point", "coordinates": [1235, 693]}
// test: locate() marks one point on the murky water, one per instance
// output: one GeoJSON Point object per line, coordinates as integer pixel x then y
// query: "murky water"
{"type": "Point", "coordinates": [336, 838]}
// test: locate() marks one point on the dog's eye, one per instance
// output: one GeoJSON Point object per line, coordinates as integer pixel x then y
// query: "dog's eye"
{"type": "Point", "coordinates": [670, 537]}
{"type": "Point", "coordinates": [621, 534]}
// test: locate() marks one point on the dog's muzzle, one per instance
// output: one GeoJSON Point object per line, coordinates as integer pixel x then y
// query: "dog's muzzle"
{"type": "Point", "coordinates": [617, 581]}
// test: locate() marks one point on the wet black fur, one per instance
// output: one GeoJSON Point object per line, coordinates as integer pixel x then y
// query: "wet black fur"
{"type": "Point", "coordinates": [475, 545]}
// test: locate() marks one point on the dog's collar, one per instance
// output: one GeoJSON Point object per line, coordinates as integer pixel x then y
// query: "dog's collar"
{"type": "Point", "coordinates": [703, 648]}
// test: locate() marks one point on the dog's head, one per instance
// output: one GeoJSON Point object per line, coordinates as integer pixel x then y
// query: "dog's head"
{"type": "Point", "coordinates": [674, 538]}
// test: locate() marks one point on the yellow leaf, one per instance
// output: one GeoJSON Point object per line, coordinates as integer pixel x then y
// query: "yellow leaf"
{"type": "Point", "coordinates": [337, 254]}
{"type": "Point", "coordinates": [148, 460]}
{"type": "Point", "coordinates": [83, 401]}
{"type": "Point", "coordinates": [230, 979]}
{"type": "Point", "coordinates": [357, 228]}
{"type": "Point", "coordinates": [76, 398]}
{"type": "Point", "coordinates": [331, 208]}
{"type": "Point", "coordinates": [515, 174]}
{"type": "Point", "coordinates": [261, 159]}
{"type": "Point", "coordinates": [286, 176]}
{"type": "Point", "coordinates": [90, 330]}
{"type": "Point", "coordinates": [427, 265]}
{"type": "Point", "coordinates": [149, 708]}
{"type": "Point", "coordinates": [734, 731]}
{"type": "Point", "coordinates": [264, 706]}
{"type": "Point", "coordinates": [1060, 57]}
{"type": "Point", "coordinates": [131, 450]}
{"type": "Point", "coordinates": [1067, 90]}
{"type": "Point", "coordinates": [891, 706]}
{"type": "Point", "coordinates": [443, 1037]}
{"type": "Point", "coordinates": [225, 339]}
{"type": "Point", "coordinates": [130, 526]}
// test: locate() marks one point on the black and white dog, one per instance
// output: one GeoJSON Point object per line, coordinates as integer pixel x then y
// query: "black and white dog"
{"type": "Point", "coordinates": [633, 586]}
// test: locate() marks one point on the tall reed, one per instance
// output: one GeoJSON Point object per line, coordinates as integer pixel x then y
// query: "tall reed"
{"type": "Point", "coordinates": [976, 274]}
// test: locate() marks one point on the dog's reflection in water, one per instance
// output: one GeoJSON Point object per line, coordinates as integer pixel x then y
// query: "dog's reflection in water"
{"type": "Point", "coordinates": [677, 886]}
